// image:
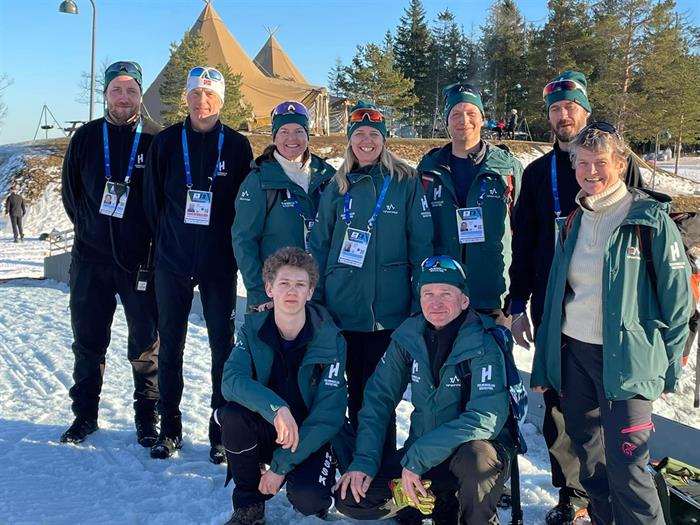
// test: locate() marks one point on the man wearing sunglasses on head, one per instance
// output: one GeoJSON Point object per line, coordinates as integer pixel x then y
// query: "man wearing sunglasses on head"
{"type": "Point", "coordinates": [462, 437]}
{"type": "Point", "coordinates": [194, 170]}
{"type": "Point", "coordinates": [471, 180]}
{"type": "Point", "coordinates": [103, 179]}
{"type": "Point", "coordinates": [548, 196]}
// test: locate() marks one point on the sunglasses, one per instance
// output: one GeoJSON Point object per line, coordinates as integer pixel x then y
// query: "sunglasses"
{"type": "Point", "coordinates": [206, 72]}
{"type": "Point", "coordinates": [562, 85]}
{"type": "Point", "coordinates": [442, 261]}
{"type": "Point", "coordinates": [290, 107]}
{"type": "Point", "coordinates": [459, 87]}
{"type": "Point", "coordinates": [605, 127]}
{"type": "Point", "coordinates": [373, 115]}
{"type": "Point", "coordinates": [124, 67]}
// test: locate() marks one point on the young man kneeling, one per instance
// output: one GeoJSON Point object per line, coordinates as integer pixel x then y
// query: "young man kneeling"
{"type": "Point", "coordinates": [286, 392]}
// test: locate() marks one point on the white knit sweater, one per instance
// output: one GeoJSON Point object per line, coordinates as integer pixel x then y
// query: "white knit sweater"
{"type": "Point", "coordinates": [583, 306]}
{"type": "Point", "coordinates": [299, 172]}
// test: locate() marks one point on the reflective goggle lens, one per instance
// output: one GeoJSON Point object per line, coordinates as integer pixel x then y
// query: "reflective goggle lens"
{"type": "Point", "coordinates": [206, 72]}
{"type": "Point", "coordinates": [562, 85]}
{"type": "Point", "coordinates": [373, 115]}
{"type": "Point", "coordinates": [442, 261]}
{"type": "Point", "coordinates": [126, 67]}
{"type": "Point", "coordinates": [289, 108]}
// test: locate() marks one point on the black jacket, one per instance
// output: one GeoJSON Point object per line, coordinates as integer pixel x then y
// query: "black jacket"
{"type": "Point", "coordinates": [533, 226]}
{"type": "Point", "coordinates": [191, 249]}
{"type": "Point", "coordinates": [83, 186]}
{"type": "Point", "coordinates": [14, 205]}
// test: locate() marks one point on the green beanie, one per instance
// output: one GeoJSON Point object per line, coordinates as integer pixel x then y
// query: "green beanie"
{"type": "Point", "coordinates": [124, 68]}
{"type": "Point", "coordinates": [569, 85]}
{"type": "Point", "coordinates": [366, 120]}
{"type": "Point", "coordinates": [289, 112]}
{"type": "Point", "coordinates": [444, 270]}
{"type": "Point", "coordinates": [459, 92]}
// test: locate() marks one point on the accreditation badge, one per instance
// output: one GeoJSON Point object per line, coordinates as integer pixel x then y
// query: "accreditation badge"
{"type": "Point", "coordinates": [308, 225]}
{"type": "Point", "coordinates": [354, 248]}
{"type": "Point", "coordinates": [559, 225]}
{"type": "Point", "coordinates": [114, 199]}
{"type": "Point", "coordinates": [470, 225]}
{"type": "Point", "coordinates": [198, 207]}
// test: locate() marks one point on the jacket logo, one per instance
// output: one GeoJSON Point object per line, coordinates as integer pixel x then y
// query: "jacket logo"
{"type": "Point", "coordinates": [633, 253]}
{"type": "Point", "coordinates": [677, 262]}
{"type": "Point", "coordinates": [333, 371]}
{"type": "Point", "coordinates": [454, 381]}
{"type": "Point", "coordinates": [391, 209]}
{"type": "Point", "coordinates": [325, 470]}
{"type": "Point", "coordinates": [437, 192]}
{"type": "Point", "coordinates": [414, 372]}
{"type": "Point", "coordinates": [493, 194]}
{"type": "Point", "coordinates": [139, 161]}
{"type": "Point", "coordinates": [245, 196]}
{"type": "Point", "coordinates": [222, 169]}
{"type": "Point", "coordinates": [486, 378]}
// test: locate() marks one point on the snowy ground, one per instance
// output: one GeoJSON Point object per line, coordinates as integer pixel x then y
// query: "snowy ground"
{"type": "Point", "coordinates": [109, 479]}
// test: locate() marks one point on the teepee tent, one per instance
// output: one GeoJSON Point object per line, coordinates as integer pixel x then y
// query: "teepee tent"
{"type": "Point", "coordinates": [261, 91]}
{"type": "Point", "coordinates": [275, 63]}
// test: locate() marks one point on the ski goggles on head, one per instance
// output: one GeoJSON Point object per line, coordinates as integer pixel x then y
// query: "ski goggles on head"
{"type": "Point", "coordinates": [124, 67]}
{"type": "Point", "coordinates": [290, 107]}
{"type": "Point", "coordinates": [605, 127]}
{"type": "Point", "coordinates": [206, 72]}
{"type": "Point", "coordinates": [444, 262]}
{"type": "Point", "coordinates": [362, 114]}
{"type": "Point", "coordinates": [562, 85]}
{"type": "Point", "coordinates": [459, 87]}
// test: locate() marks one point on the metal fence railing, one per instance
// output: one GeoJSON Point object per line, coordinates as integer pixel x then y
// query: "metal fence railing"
{"type": "Point", "coordinates": [60, 241]}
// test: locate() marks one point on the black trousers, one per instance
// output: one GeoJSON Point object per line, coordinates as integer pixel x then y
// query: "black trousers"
{"type": "Point", "coordinates": [250, 441]}
{"type": "Point", "coordinates": [610, 438]}
{"type": "Point", "coordinates": [174, 294]}
{"type": "Point", "coordinates": [467, 487]}
{"type": "Point", "coordinates": [17, 229]}
{"type": "Point", "coordinates": [92, 304]}
{"type": "Point", "coordinates": [365, 349]}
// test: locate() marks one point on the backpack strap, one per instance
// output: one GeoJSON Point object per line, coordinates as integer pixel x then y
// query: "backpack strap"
{"type": "Point", "coordinates": [271, 198]}
{"type": "Point", "coordinates": [644, 238]}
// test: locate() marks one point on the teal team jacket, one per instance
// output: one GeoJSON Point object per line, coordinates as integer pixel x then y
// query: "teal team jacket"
{"type": "Point", "coordinates": [644, 327]}
{"type": "Point", "coordinates": [321, 380]}
{"type": "Point", "coordinates": [380, 295]}
{"type": "Point", "coordinates": [486, 262]}
{"type": "Point", "coordinates": [260, 229]}
{"type": "Point", "coordinates": [439, 422]}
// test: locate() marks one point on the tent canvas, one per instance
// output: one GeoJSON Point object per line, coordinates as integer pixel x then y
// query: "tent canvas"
{"type": "Point", "coordinates": [261, 91]}
{"type": "Point", "coordinates": [275, 63]}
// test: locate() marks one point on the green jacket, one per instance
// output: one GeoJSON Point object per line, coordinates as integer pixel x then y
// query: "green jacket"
{"type": "Point", "coordinates": [439, 422]}
{"type": "Point", "coordinates": [380, 295]}
{"type": "Point", "coordinates": [321, 380]}
{"type": "Point", "coordinates": [261, 227]}
{"type": "Point", "coordinates": [644, 328]}
{"type": "Point", "coordinates": [486, 262]}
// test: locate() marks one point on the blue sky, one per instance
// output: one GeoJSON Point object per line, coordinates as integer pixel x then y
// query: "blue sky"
{"type": "Point", "coordinates": [44, 51]}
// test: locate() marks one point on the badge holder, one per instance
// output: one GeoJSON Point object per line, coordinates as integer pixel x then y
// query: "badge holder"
{"type": "Point", "coordinates": [470, 225]}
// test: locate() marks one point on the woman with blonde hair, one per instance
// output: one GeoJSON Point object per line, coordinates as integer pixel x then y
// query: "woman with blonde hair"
{"type": "Point", "coordinates": [372, 232]}
{"type": "Point", "coordinates": [614, 327]}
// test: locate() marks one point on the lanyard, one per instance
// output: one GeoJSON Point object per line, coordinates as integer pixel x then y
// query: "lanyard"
{"type": "Point", "coordinates": [555, 189]}
{"type": "Point", "coordinates": [297, 205]}
{"type": "Point", "coordinates": [377, 208]}
{"type": "Point", "coordinates": [482, 192]}
{"type": "Point", "coordinates": [186, 155]}
{"type": "Point", "coordinates": [132, 157]}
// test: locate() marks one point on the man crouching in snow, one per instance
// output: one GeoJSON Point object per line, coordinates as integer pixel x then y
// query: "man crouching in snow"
{"type": "Point", "coordinates": [459, 447]}
{"type": "Point", "coordinates": [287, 396]}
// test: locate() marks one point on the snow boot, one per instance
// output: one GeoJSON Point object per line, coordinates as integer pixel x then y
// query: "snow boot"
{"type": "Point", "coordinates": [146, 422]}
{"type": "Point", "coordinates": [249, 515]}
{"type": "Point", "coordinates": [567, 514]}
{"type": "Point", "coordinates": [169, 438]}
{"type": "Point", "coordinates": [79, 430]}
{"type": "Point", "coordinates": [217, 453]}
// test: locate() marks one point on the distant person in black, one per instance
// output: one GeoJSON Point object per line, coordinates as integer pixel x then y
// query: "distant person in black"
{"type": "Point", "coordinates": [199, 161]}
{"type": "Point", "coordinates": [512, 124]}
{"type": "Point", "coordinates": [111, 243]}
{"type": "Point", "coordinates": [14, 207]}
{"type": "Point", "coordinates": [534, 217]}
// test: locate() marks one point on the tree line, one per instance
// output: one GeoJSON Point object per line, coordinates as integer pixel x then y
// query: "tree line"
{"type": "Point", "coordinates": [640, 57]}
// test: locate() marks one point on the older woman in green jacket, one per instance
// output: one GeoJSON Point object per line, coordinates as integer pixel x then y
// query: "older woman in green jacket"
{"type": "Point", "coordinates": [277, 202]}
{"type": "Point", "coordinates": [373, 231]}
{"type": "Point", "coordinates": [615, 322]}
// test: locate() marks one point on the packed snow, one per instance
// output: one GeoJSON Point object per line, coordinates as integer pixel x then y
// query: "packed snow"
{"type": "Point", "coordinates": [109, 478]}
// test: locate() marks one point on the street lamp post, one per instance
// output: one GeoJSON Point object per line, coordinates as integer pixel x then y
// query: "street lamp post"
{"type": "Point", "coordinates": [666, 135]}
{"type": "Point", "coordinates": [69, 6]}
